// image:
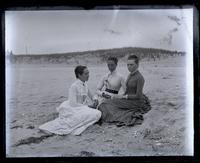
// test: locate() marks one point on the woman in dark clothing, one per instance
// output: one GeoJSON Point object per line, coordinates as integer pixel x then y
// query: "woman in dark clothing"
{"type": "Point", "coordinates": [127, 109]}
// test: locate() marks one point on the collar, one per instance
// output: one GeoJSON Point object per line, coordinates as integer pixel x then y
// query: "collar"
{"type": "Point", "coordinates": [80, 82]}
{"type": "Point", "coordinates": [112, 73]}
{"type": "Point", "coordinates": [134, 72]}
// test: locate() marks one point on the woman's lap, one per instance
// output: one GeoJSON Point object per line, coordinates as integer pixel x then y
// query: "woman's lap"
{"type": "Point", "coordinates": [69, 120]}
{"type": "Point", "coordinates": [122, 110]}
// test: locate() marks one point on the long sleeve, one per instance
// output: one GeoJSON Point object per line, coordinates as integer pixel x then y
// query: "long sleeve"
{"type": "Point", "coordinates": [140, 85]}
{"type": "Point", "coordinates": [139, 90]}
{"type": "Point", "coordinates": [123, 84]}
{"type": "Point", "coordinates": [100, 86]}
{"type": "Point", "coordinates": [90, 95]}
{"type": "Point", "coordinates": [73, 93]}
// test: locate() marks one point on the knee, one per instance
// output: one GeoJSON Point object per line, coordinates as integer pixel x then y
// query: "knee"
{"type": "Point", "coordinates": [98, 114]}
{"type": "Point", "coordinates": [101, 106]}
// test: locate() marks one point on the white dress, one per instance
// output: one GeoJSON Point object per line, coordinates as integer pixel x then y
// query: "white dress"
{"type": "Point", "coordinates": [74, 114]}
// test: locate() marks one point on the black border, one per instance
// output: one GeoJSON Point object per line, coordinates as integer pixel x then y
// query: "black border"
{"type": "Point", "coordinates": [99, 4]}
{"type": "Point", "coordinates": [196, 83]}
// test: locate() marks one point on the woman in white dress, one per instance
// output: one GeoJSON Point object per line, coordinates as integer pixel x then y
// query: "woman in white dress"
{"type": "Point", "coordinates": [74, 114]}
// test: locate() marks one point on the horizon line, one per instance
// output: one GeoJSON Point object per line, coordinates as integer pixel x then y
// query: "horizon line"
{"type": "Point", "coordinates": [60, 53]}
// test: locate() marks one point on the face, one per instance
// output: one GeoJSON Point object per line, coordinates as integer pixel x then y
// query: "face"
{"type": "Point", "coordinates": [111, 65]}
{"type": "Point", "coordinates": [85, 76]}
{"type": "Point", "coordinates": [132, 66]}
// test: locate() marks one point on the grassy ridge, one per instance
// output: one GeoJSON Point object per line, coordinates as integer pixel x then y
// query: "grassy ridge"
{"type": "Point", "coordinates": [96, 56]}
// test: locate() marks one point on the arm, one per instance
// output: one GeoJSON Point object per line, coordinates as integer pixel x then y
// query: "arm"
{"type": "Point", "coordinates": [123, 84]}
{"type": "Point", "coordinates": [94, 100]}
{"type": "Point", "coordinates": [73, 97]}
{"type": "Point", "coordinates": [99, 87]}
{"type": "Point", "coordinates": [90, 95]}
{"type": "Point", "coordinates": [139, 91]}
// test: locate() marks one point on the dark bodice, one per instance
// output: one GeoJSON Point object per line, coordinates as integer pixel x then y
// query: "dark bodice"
{"type": "Point", "coordinates": [132, 83]}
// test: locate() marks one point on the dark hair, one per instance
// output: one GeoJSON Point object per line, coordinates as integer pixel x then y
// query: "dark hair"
{"type": "Point", "coordinates": [134, 57]}
{"type": "Point", "coordinates": [114, 59]}
{"type": "Point", "coordinates": [79, 70]}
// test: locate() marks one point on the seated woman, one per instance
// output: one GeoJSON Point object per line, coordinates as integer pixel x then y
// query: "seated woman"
{"type": "Point", "coordinates": [74, 114]}
{"type": "Point", "coordinates": [110, 83]}
{"type": "Point", "coordinates": [127, 109]}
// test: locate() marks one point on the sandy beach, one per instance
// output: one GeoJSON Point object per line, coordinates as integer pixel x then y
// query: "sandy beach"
{"type": "Point", "coordinates": [34, 92]}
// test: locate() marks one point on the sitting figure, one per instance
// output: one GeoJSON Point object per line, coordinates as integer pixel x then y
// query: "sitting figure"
{"type": "Point", "coordinates": [74, 114]}
{"type": "Point", "coordinates": [111, 83]}
{"type": "Point", "coordinates": [127, 109]}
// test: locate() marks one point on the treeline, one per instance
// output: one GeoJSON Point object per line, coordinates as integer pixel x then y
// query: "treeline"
{"type": "Point", "coordinates": [96, 56]}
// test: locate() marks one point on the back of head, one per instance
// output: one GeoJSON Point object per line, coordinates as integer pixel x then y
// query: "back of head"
{"type": "Point", "coordinates": [79, 70]}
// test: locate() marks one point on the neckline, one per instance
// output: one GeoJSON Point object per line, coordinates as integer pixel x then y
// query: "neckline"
{"type": "Point", "coordinates": [81, 82]}
{"type": "Point", "coordinates": [133, 73]}
{"type": "Point", "coordinates": [112, 73]}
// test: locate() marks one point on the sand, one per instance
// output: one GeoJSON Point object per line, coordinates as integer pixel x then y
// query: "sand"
{"type": "Point", "coordinates": [34, 91]}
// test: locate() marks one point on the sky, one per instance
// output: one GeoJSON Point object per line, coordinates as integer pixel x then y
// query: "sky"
{"type": "Point", "coordinates": [60, 31]}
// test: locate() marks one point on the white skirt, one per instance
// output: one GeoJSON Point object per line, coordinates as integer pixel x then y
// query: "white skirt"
{"type": "Point", "coordinates": [72, 120]}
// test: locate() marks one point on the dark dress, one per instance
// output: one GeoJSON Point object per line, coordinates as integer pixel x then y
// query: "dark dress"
{"type": "Point", "coordinates": [127, 112]}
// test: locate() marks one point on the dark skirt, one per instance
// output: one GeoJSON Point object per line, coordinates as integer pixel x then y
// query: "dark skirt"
{"type": "Point", "coordinates": [124, 111]}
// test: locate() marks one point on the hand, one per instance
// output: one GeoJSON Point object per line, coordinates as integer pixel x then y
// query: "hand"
{"type": "Point", "coordinates": [117, 96]}
{"type": "Point", "coordinates": [106, 95]}
{"type": "Point", "coordinates": [95, 103]}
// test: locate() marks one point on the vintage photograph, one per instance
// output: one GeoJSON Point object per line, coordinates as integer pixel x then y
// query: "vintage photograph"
{"type": "Point", "coordinates": [97, 83]}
